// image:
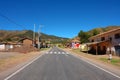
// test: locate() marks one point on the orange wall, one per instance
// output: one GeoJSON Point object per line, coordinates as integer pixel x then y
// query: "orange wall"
{"type": "Point", "coordinates": [27, 42]}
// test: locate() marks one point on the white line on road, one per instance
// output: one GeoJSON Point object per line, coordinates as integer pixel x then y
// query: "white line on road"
{"type": "Point", "coordinates": [55, 52]}
{"type": "Point", "coordinates": [66, 55]}
{"type": "Point", "coordinates": [97, 67]}
{"type": "Point", "coordinates": [63, 53]}
{"type": "Point", "coordinates": [7, 78]}
{"type": "Point", "coordinates": [59, 53]}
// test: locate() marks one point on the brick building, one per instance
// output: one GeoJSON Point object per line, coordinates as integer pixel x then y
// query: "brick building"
{"type": "Point", "coordinates": [26, 41]}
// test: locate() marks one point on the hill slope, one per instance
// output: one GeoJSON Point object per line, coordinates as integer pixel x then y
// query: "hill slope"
{"type": "Point", "coordinates": [85, 35]}
{"type": "Point", "coordinates": [101, 30]}
{"type": "Point", "coordinates": [17, 35]}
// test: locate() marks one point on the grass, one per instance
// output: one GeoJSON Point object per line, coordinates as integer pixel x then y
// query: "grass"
{"type": "Point", "coordinates": [114, 61]}
{"type": "Point", "coordinates": [62, 47]}
{"type": "Point", "coordinates": [42, 49]}
{"type": "Point", "coordinates": [76, 50]}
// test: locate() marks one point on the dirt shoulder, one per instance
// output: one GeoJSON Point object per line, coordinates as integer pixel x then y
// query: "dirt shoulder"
{"type": "Point", "coordinates": [96, 59]}
{"type": "Point", "coordinates": [11, 61]}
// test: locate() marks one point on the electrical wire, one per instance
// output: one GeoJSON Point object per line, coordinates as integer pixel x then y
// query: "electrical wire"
{"type": "Point", "coordinates": [10, 20]}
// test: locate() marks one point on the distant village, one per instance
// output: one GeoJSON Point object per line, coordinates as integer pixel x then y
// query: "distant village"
{"type": "Point", "coordinates": [25, 44]}
{"type": "Point", "coordinates": [103, 43]}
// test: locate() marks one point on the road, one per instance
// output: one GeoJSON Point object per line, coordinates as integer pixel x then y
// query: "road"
{"type": "Point", "coordinates": [57, 64]}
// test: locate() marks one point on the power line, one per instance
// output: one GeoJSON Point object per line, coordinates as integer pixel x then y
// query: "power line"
{"type": "Point", "coordinates": [10, 20]}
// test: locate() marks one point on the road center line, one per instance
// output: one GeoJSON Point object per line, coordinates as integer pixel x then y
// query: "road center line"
{"type": "Point", "coordinates": [7, 78]}
{"type": "Point", "coordinates": [97, 67]}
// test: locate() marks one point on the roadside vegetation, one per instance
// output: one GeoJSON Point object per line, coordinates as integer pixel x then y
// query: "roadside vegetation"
{"type": "Point", "coordinates": [104, 58]}
{"type": "Point", "coordinates": [42, 49]}
{"type": "Point", "coordinates": [113, 61]}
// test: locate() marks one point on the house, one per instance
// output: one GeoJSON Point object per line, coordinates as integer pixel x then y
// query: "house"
{"type": "Point", "coordinates": [26, 41]}
{"type": "Point", "coordinates": [106, 42]}
{"type": "Point", "coordinates": [2, 46]}
{"type": "Point", "coordinates": [75, 42]}
{"type": "Point", "coordinates": [5, 46]}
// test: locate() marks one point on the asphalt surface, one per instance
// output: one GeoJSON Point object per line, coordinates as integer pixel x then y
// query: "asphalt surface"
{"type": "Point", "coordinates": [57, 64]}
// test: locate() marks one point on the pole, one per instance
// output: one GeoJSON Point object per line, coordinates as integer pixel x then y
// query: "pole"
{"type": "Point", "coordinates": [34, 36]}
{"type": "Point", "coordinates": [97, 49]}
{"type": "Point", "coordinates": [39, 43]}
{"type": "Point", "coordinates": [39, 38]}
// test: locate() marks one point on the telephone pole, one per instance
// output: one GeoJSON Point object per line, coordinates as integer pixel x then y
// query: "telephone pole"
{"type": "Point", "coordinates": [39, 34]}
{"type": "Point", "coordinates": [34, 36]}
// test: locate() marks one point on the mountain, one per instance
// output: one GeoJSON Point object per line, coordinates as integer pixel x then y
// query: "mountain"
{"type": "Point", "coordinates": [15, 36]}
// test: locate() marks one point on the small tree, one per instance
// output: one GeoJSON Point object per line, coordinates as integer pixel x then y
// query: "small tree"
{"type": "Point", "coordinates": [83, 36]}
{"type": "Point", "coordinates": [95, 32]}
{"type": "Point", "coordinates": [8, 39]}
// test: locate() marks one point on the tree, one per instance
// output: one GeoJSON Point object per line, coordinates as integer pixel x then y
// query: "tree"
{"type": "Point", "coordinates": [83, 36]}
{"type": "Point", "coordinates": [95, 32]}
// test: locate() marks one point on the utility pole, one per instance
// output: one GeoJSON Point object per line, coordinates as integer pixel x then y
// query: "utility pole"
{"type": "Point", "coordinates": [39, 43]}
{"type": "Point", "coordinates": [34, 36]}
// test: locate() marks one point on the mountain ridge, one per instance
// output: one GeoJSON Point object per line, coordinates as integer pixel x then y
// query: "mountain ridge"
{"type": "Point", "coordinates": [16, 35]}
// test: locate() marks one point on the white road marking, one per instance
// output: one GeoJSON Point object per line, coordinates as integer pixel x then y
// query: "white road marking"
{"type": "Point", "coordinates": [59, 53]}
{"type": "Point", "coordinates": [98, 67]}
{"type": "Point", "coordinates": [51, 52]}
{"type": "Point", "coordinates": [63, 52]}
{"type": "Point", "coordinates": [55, 52]}
{"type": "Point", "coordinates": [7, 78]}
{"type": "Point", "coordinates": [67, 53]}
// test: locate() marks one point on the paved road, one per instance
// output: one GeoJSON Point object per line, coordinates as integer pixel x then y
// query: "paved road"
{"type": "Point", "coordinates": [57, 64]}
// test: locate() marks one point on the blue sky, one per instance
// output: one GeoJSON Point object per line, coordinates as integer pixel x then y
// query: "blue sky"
{"type": "Point", "coordinates": [64, 18]}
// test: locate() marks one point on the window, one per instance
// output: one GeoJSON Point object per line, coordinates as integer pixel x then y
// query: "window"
{"type": "Point", "coordinates": [117, 36]}
{"type": "Point", "coordinates": [102, 38]}
{"type": "Point", "coordinates": [110, 38]}
{"type": "Point", "coordinates": [92, 40]}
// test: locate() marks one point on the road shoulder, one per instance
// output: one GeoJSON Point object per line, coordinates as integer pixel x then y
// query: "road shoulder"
{"type": "Point", "coordinates": [91, 59]}
{"type": "Point", "coordinates": [17, 62]}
